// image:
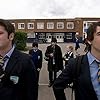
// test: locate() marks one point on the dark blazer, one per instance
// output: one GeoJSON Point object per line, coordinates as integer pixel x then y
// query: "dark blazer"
{"type": "Point", "coordinates": [57, 56]}
{"type": "Point", "coordinates": [83, 88]}
{"type": "Point", "coordinates": [38, 64]}
{"type": "Point", "coordinates": [21, 67]}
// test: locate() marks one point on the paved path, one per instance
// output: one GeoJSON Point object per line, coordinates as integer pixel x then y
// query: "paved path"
{"type": "Point", "coordinates": [46, 93]}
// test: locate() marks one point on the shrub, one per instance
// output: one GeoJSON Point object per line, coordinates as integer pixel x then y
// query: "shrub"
{"type": "Point", "coordinates": [20, 40]}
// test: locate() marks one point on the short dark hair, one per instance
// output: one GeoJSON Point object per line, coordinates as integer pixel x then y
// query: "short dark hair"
{"type": "Point", "coordinates": [90, 33]}
{"type": "Point", "coordinates": [54, 40]}
{"type": "Point", "coordinates": [8, 26]}
{"type": "Point", "coordinates": [34, 44]}
{"type": "Point", "coordinates": [91, 30]}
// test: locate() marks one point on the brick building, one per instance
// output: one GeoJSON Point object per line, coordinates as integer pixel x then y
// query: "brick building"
{"type": "Point", "coordinates": [63, 30]}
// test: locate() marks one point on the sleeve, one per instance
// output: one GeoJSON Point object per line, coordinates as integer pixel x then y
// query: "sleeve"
{"type": "Point", "coordinates": [60, 59]}
{"type": "Point", "coordinates": [66, 77]}
{"type": "Point", "coordinates": [40, 60]}
{"type": "Point", "coordinates": [31, 86]}
{"type": "Point", "coordinates": [30, 52]}
{"type": "Point", "coordinates": [47, 53]}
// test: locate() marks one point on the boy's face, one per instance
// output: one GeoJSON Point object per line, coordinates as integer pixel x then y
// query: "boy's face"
{"type": "Point", "coordinates": [5, 40]}
{"type": "Point", "coordinates": [53, 43]}
{"type": "Point", "coordinates": [35, 48]}
{"type": "Point", "coordinates": [95, 43]}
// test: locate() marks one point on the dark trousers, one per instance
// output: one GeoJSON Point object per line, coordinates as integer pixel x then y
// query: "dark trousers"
{"type": "Point", "coordinates": [52, 76]}
{"type": "Point", "coordinates": [38, 72]}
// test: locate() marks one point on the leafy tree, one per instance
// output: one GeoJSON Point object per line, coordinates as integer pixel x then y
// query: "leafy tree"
{"type": "Point", "coordinates": [20, 40]}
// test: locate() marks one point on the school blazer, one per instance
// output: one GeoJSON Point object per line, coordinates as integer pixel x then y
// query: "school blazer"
{"type": "Point", "coordinates": [19, 82]}
{"type": "Point", "coordinates": [39, 64]}
{"type": "Point", "coordinates": [83, 88]}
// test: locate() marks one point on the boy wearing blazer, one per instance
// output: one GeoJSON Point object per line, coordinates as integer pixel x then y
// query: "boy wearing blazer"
{"type": "Point", "coordinates": [18, 76]}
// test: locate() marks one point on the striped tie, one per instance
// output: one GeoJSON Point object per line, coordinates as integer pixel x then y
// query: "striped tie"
{"type": "Point", "coordinates": [1, 67]}
{"type": "Point", "coordinates": [2, 61]}
{"type": "Point", "coordinates": [98, 71]}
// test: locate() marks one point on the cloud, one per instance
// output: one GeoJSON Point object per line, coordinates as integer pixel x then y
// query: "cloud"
{"type": "Point", "coordinates": [49, 8]}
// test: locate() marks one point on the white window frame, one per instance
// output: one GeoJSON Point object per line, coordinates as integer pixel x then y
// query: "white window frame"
{"type": "Point", "coordinates": [29, 25]}
{"type": "Point", "coordinates": [19, 25]}
{"type": "Point", "coordinates": [70, 24]}
{"type": "Point", "coordinates": [60, 25]}
{"type": "Point", "coordinates": [30, 35]}
{"type": "Point", "coordinates": [50, 25]}
{"type": "Point", "coordinates": [40, 25]}
{"type": "Point", "coordinates": [87, 24]}
{"type": "Point", "coordinates": [13, 24]}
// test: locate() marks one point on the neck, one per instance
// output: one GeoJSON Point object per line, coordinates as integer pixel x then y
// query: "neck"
{"type": "Point", "coordinates": [4, 51]}
{"type": "Point", "coordinates": [96, 54]}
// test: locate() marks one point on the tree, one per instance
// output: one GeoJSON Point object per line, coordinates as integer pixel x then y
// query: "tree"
{"type": "Point", "coordinates": [20, 40]}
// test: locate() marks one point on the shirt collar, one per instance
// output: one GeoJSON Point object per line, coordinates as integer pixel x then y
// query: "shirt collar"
{"type": "Point", "coordinates": [8, 54]}
{"type": "Point", "coordinates": [91, 58]}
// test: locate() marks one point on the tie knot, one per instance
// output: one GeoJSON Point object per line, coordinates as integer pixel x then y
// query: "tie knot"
{"type": "Point", "coordinates": [5, 58]}
{"type": "Point", "coordinates": [2, 60]}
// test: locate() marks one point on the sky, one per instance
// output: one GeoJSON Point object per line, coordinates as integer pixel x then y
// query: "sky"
{"type": "Point", "coordinates": [35, 9]}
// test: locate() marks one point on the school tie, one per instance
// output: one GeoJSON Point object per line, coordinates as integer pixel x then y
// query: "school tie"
{"type": "Point", "coordinates": [98, 71]}
{"type": "Point", "coordinates": [2, 61]}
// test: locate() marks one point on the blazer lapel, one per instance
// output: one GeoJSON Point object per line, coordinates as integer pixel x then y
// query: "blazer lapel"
{"type": "Point", "coordinates": [12, 61]}
{"type": "Point", "coordinates": [86, 68]}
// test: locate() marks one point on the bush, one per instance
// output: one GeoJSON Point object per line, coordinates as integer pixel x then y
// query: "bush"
{"type": "Point", "coordinates": [20, 40]}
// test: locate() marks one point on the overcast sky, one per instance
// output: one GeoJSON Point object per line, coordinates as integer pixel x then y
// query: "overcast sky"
{"type": "Point", "coordinates": [30, 9]}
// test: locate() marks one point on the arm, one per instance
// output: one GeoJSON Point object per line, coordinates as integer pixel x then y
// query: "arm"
{"type": "Point", "coordinates": [60, 63]}
{"type": "Point", "coordinates": [66, 77]}
{"type": "Point", "coordinates": [64, 57]}
{"type": "Point", "coordinates": [49, 52]}
{"type": "Point", "coordinates": [40, 60]}
{"type": "Point", "coordinates": [30, 52]}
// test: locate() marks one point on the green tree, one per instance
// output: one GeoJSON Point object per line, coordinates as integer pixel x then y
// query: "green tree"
{"type": "Point", "coordinates": [20, 40]}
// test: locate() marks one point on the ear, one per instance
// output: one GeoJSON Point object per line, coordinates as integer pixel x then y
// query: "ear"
{"type": "Point", "coordinates": [11, 36]}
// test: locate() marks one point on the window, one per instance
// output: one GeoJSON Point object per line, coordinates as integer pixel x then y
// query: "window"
{"type": "Point", "coordinates": [88, 24]}
{"type": "Point", "coordinates": [85, 25]}
{"type": "Point", "coordinates": [41, 35]}
{"type": "Point", "coordinates": [40, 25]}
{"type": "Point", "coordinates": [30, 25]}
{"type": "Point", "coordinates": [70, 25]}
{"type": "Point", "coordinates": [50, 25]}
{"type": "Point", "coordinates": [21, 26]}
{"type": "Point", "coordinates": [69, 36]}
{"type": "Point", "coordinates": [57, 37]}
{"type": "Point", "coordinates": [60, 37]}
{"type": "Point", "coordinates": [60, 25]}
{"type": "Point", "coordinates": [49, 36]}
{"type": "Point", "coordinates": [13, 24]}
{"type": "Point", "coordinates": [30, 35]}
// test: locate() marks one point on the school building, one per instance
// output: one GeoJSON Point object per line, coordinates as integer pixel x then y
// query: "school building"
{"type": "Point", "coordinates": [64, 30]}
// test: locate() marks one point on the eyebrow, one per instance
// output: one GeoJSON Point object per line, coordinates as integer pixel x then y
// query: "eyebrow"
{"type": "Point", "coordinates": [98, 32]}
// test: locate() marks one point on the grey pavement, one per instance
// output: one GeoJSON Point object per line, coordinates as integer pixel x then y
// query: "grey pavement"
{"type": "Point", "coordinates": [46, 93]}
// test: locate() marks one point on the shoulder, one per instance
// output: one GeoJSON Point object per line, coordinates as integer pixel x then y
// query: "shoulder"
{"type": "Point", "coordinates": [23, 59]}
{"type": "Point", "coordinates": [21, 55]}
{"type": "Point", "coordinates": [57, 46]}
{"type": "Point", "coordinates": [80, 59]}
{"type": "Point", "coordinates": [48, 47]}
{"type": "Point", "coordinates": [39, 50]}
{"type": "Point", "coordinates": [30, 50]}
